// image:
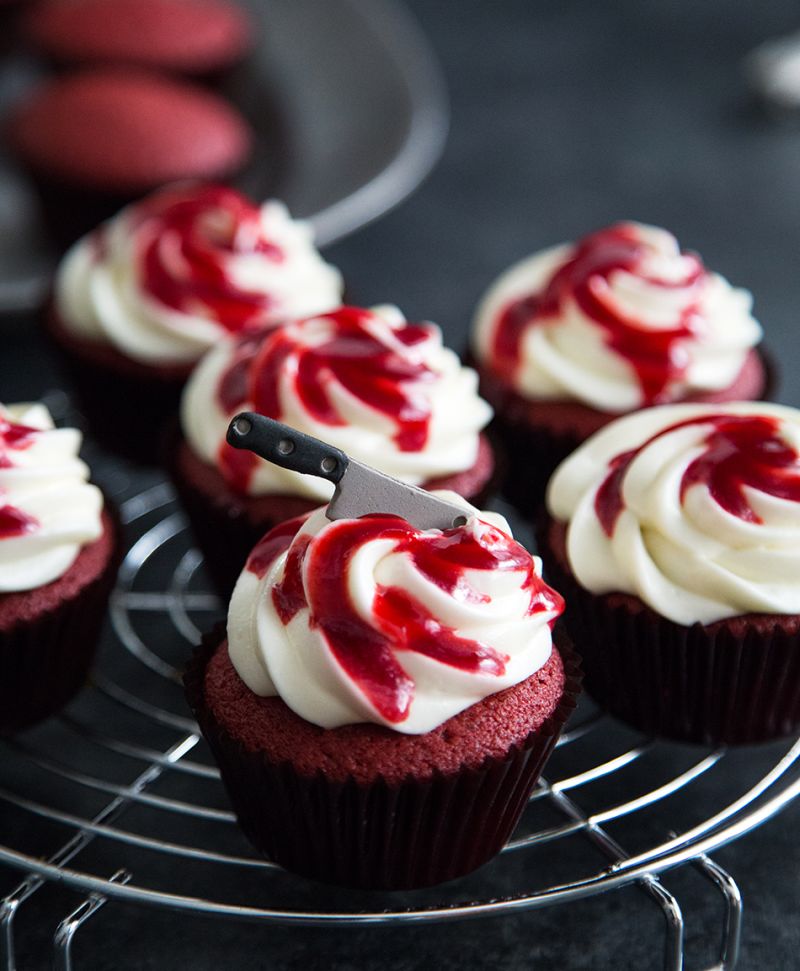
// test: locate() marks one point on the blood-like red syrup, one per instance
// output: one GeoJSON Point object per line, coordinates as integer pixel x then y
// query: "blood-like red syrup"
{"type": "Point", "coordinates": [365, 365]}
{"type": "Point", "coordinates": [14, 437]}
{"type": "Point", "coordinates": [740, 450]}
{"type": "Point", "coordinates": [316, 578]}
{"type": "Point", "coordinates": [187, 239]}
{"type": "Point", "coordinates": [658, 356]}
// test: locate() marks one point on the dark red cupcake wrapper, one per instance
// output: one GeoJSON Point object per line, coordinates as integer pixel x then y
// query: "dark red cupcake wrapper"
{"type": "Point", "coordinates": [44, 661]}
{"type": "Point", "coordinates": [719, 684]}
{"type": "Point", "coordinates": [396, 836]}
{"type": "Point", "coordinates": [126, 404]}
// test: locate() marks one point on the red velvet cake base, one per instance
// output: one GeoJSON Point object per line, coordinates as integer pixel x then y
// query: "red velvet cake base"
{"type": "Point", "coordinates": [48, 636]}
{"type": "Point", "coordinates": [363, 806]}
{"type": "Point", "coordinates": [228, 525]}
{"type": "Point", "coordinates": [538, 435]}
{"type": "Point", "coordinates": [126, 403]}
{"type": "Point", "coordinates": [736, 681]}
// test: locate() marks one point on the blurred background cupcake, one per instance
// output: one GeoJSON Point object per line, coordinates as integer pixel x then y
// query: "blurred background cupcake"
{"type": "Point", "coordinates": [139, 301]}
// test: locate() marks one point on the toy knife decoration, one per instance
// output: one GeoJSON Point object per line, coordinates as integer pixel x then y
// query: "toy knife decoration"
{"type": "Point", "coordinates": [360, 489]}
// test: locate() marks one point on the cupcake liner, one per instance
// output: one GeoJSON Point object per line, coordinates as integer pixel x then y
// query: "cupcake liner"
{"type": "Point", "coordinates": [44, 659]}
{"type": "Point", "coordinates": [381, 835]}
{"type": "Point", "coordinates": [729, 683]}
{"type": "Point", "coordinates": [125, 403]}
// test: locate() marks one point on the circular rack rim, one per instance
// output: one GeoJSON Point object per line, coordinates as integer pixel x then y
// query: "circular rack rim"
{"type": "Point", "coordinates": [758, 804]}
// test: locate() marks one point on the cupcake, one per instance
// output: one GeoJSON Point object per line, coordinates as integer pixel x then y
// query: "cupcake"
{"type": "Point", "coordinates": [674, 536]}
{"type": "Point", "coordinates": [383, 390]}
{"type": "Point", "coordinates": [95, 140]}
{"type": "Point", "coordinates": [196, 38]}
{"type": "Point", "coordinates": [138, 302]}
{"type": "Point", "coordinates": [569, 339]}
{"type": "Point", "coordinates": [58, 559]}
{"type": "Point", "coordinates": [384, 697]}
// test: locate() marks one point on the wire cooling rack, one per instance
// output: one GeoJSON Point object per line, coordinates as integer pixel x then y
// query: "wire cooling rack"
{"type": "Point", "coordinates": [117, 798]}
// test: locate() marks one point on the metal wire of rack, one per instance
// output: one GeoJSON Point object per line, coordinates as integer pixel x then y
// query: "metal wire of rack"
{"type": "Point", "coordinates": [599, 791]}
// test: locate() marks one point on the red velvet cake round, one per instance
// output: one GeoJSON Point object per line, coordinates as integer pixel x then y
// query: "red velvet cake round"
{"type": "Point", "coordinates": [199, 38]}
{"type": "Point", "coordinates": [97, 139]}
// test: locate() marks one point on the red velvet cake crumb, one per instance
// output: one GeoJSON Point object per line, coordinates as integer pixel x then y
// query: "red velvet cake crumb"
{"type": "Point", "coordinates": [365, 752]}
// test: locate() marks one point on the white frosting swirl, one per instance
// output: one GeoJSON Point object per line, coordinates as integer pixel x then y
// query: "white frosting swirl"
{"type": "Point", "coordinates": [507, 609]}
{"type": "Point", "coordinates": [567, 353]}
{"type": "Point", "coordinates": [169, 276]}
{"type": "Point", "coordinates": [432, 382]}
{"type": "Point", "coordinates": [703, 523]}
{"type": "Point", "coordinates": [43, 483]}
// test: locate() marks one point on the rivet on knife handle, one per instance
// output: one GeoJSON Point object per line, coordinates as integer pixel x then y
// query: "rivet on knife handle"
{"type": "Point", "coordinates": [285, 446]}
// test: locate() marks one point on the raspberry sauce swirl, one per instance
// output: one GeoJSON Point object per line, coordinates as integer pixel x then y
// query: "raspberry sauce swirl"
{"type": "Point", "coordinates": [387, 623]}
{"type": "Point", "coordinates": [695, 509]}
{"type": "Point", "coordinates": [185, 241]}
{"type": "Point", "coordinates": [171, 274]}
{"type": "Point", "coordinates": [382, 389]}
{"type": "Point", "coordinates": [621, 319]}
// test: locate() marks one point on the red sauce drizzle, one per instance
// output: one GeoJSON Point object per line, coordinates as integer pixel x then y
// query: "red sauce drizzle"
{"type": "Point", "coordinates": [658, 357]}
{"type": "Point", "coordinates": [740, 450]}
{"type": "Point", "coordinates": [359, 359]}
{"type": "Point", "coordinates": [14, 438]}
{"type": "Point", "coordinates": [187, 236]}
{"type": "Point", "coordinates": [315, 577]}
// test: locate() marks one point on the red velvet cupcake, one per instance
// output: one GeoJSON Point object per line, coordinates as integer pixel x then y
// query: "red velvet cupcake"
{"type": "Point", "coordinates": [197, 38]}
{"type": "Point", "coordinates": [383, 390]}
{"type": "Point", "coordinates": [95, 140]}
{"type": "Point", "coordinates": [385, 697]}
{"type": "Point", "coordinates": [571, 338]}
{"type": "Point", "coordinates": [140, 300]}
{"type": "Point", "coordinates": [59, 551]}
{"type": "Point", "coordinates": [674, 535]}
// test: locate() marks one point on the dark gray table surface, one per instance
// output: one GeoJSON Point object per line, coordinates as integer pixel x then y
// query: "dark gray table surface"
{"type": "Point", "coordinates": [566, 115]}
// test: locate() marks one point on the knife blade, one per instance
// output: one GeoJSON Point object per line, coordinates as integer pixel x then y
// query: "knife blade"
{"type": "Point", "coordinates": [359, 489]}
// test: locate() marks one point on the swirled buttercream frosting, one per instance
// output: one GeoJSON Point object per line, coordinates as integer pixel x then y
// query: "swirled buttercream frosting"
{"type": "Point", "coordinates": [382, 389]}
{"type": "Point", "coordinates": [169, 276]}
{"type": "Point", "coordinates": [48, 509]}
{"type": "Point", "coordinates": [617, 321]}
{"type": "Point", "coordinates": [695, 509]}
{"type": "Point", "coordinates": [373, 620]}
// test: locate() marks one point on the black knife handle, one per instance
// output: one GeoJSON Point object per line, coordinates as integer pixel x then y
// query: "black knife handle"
{"type": "Point", "coordinates": [285, 446]}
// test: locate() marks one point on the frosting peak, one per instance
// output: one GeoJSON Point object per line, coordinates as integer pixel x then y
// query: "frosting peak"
{"type": "Point", "coordinates": [48, 510]}
{"type": "Point", "coordinates": [169, 275]}
{"type": "Point", "coordinates": [693, 508]}
{"type": "Point", "coordinates": [374, 620]}
{"type": "Point", "coordinates": [384, 390]}
{"type": "Point", "coordinates": [618, 320]}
